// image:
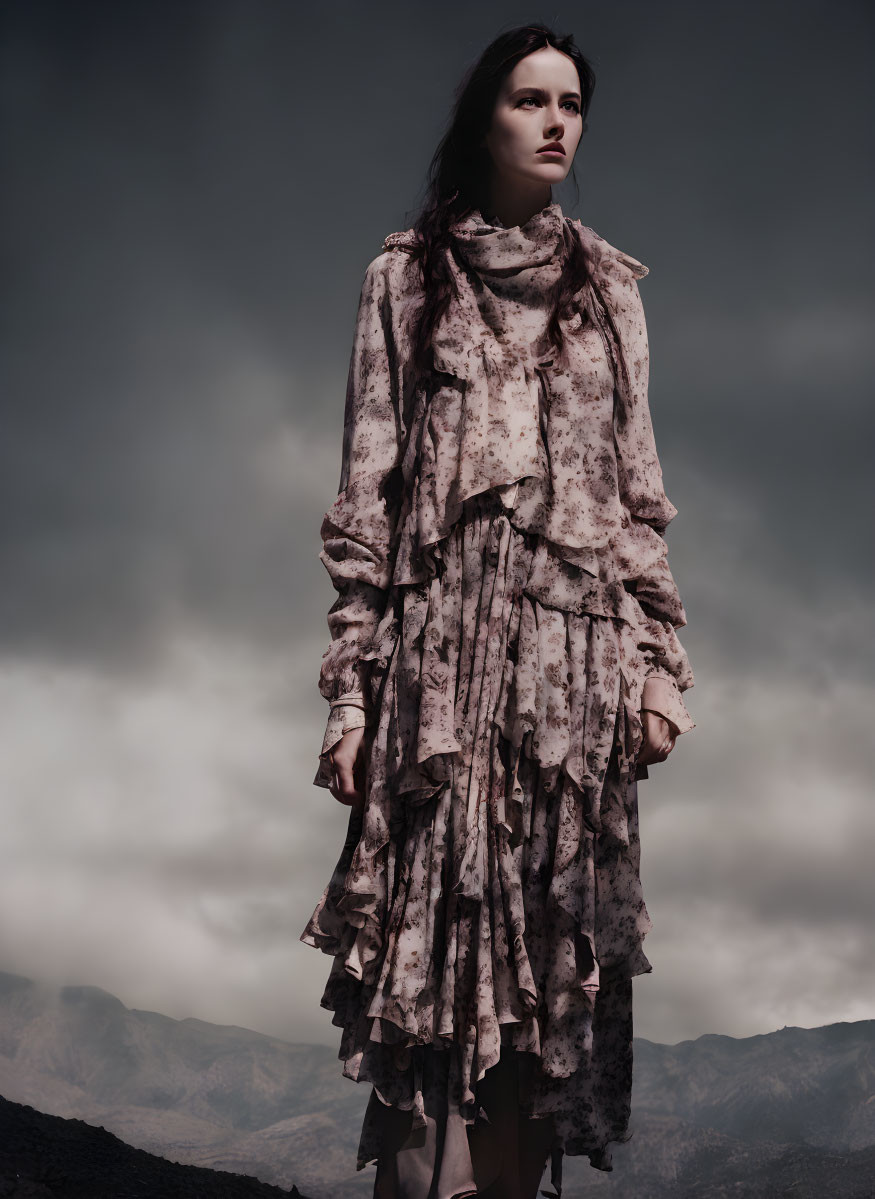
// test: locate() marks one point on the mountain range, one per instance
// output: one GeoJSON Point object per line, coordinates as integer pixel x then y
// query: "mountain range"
{"type": "Point", "coordinates": [785, 1112]}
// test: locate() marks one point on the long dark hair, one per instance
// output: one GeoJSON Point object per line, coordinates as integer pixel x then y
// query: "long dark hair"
{"type": "Point", "coordinates": [458, 176]}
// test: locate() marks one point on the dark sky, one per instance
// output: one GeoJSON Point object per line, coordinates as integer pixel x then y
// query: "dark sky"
{"type": "Point", "coordinates": [191, 195]}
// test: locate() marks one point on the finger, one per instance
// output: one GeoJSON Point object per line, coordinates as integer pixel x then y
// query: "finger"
{"type": "Point", "coordinates": [346, 784]}
{"type": "Point", "coordinates": [338, 787]}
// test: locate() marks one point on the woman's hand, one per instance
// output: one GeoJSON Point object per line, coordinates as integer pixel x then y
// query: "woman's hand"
{"type": "Point", "coordinates": [347, 760]}
{"type": "Point", "coordinates": [659, 738]}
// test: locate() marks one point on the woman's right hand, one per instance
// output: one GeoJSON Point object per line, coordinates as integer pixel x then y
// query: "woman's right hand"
{"type": "Point", "coordinates": [347, 761]}
{"type": "Point", "coordinates": [659, 736]}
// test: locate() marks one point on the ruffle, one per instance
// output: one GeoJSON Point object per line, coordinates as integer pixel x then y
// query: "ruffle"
{"type": "Point", "coordinates": [489, 893]}
{"type": "Point", "coordinates": [503, 283]}
{"type": "Point", "coordinates": [506, 726]}
{"type": "Point", "coordinates": [565, 437]}
{"type": "Point", "coordinates": [442, 1153]}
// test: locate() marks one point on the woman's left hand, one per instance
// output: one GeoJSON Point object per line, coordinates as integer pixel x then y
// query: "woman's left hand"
{"type": "Point", "coordinates": [659, 738]}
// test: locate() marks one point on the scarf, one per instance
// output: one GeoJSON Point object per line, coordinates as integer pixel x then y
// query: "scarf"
{"type": "Point", "coordinates": [491, 336]}
{"type": "Point", "coordinates": [486, 427]}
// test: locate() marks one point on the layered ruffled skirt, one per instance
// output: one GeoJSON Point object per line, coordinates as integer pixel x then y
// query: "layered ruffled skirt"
{"type": "Point", "coordinates": [488, 894]}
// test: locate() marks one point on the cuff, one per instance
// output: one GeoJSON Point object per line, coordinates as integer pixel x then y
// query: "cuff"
{"type": "Point", "coordinates": [661, 694]}
{"type": "Point", "coordinates": [341, 719]}
{"type": "Point", "coordinates": [344, 715]}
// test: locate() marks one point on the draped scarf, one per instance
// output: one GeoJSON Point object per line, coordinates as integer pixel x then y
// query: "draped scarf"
{"type": "Point", "coordinates": [492, 432]}
{"type": "Point", "coordinates": [490, 336]}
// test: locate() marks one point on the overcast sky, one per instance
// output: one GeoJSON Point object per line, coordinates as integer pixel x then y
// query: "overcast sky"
{"type": "Point", "coordinates": [192, 193]}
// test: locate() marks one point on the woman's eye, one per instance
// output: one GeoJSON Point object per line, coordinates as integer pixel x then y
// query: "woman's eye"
{"type": "Point", "coordinates": [575, 107]}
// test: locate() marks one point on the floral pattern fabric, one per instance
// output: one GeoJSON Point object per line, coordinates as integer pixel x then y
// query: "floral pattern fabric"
{"type": "Point", "coordinates": [505, 610]}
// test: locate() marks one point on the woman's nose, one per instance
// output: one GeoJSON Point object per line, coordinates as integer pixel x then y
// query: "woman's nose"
{"type": "Point", "coordinates": [556, 123]}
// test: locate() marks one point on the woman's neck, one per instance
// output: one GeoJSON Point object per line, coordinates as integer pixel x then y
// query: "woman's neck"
{"type": "Point", "coordinates": [514, 207]}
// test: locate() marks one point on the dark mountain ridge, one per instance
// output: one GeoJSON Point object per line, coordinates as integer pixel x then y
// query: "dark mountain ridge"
{"type": "Point", "coordinates": [45, 1157]}
{"type": "Point", "coordinates": [788, 1110]}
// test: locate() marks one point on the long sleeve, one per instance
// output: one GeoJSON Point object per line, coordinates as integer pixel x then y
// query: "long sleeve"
{"type": "Point", "coordinates": [641, 553]}
{"type": "Point", "coordinates": [358, 542]}
{"type": "Point", "coordinates": [667, 670]}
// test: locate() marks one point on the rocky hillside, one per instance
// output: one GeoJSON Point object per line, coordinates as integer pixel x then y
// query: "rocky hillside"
{"type": "Point", "coordinates": [791, 1111]}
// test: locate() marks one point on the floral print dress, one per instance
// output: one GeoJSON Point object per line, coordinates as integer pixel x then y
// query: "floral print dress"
{"type": "Point", "coordinates": [505, 610]}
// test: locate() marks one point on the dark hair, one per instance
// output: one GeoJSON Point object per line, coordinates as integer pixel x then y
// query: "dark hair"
{"type": "Point", "coordinates": [458, 175]}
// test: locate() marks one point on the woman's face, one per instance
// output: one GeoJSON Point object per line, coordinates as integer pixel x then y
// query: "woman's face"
{"type": "Point", "coordinates": [539, 103]}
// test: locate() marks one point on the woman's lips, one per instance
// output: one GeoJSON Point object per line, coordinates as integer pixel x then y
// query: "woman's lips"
{"type": "Point", "coordinates": [557, 153]}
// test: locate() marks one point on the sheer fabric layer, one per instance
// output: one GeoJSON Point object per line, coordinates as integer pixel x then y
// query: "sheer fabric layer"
{"type": "Point", "coordinates": [488, 893]}
{"type": "Point", "coordinates": [589, 482]}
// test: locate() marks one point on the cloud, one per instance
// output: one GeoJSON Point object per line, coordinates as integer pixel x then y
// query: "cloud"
{"type": "Point", "coordinates": [182, 293]}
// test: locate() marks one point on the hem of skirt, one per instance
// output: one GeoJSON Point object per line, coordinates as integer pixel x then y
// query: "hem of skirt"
{"type": "Point", "coordinates": [600, 1155]}
{"type": "Point", "coordinates": [634, 964]}
{"type": "Point", "coordinates": [600, 1158]}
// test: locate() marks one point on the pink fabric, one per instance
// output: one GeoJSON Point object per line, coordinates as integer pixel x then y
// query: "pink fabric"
{"type": "Point", "coordinates": [489, 892]}
{"type": "Point", "coordinates": [504, 608]}
{"type": "Point", "coordinates": [660, 694]}
{"type": "Point", "coordinates": [505, 1151]}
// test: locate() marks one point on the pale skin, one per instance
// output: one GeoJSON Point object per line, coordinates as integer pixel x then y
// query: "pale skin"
{"type": "Point", "coordinates": [539, 102]}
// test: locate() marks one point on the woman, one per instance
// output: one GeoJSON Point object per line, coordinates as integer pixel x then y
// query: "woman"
{"type": "Point", "coordinates": [504, 664]}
